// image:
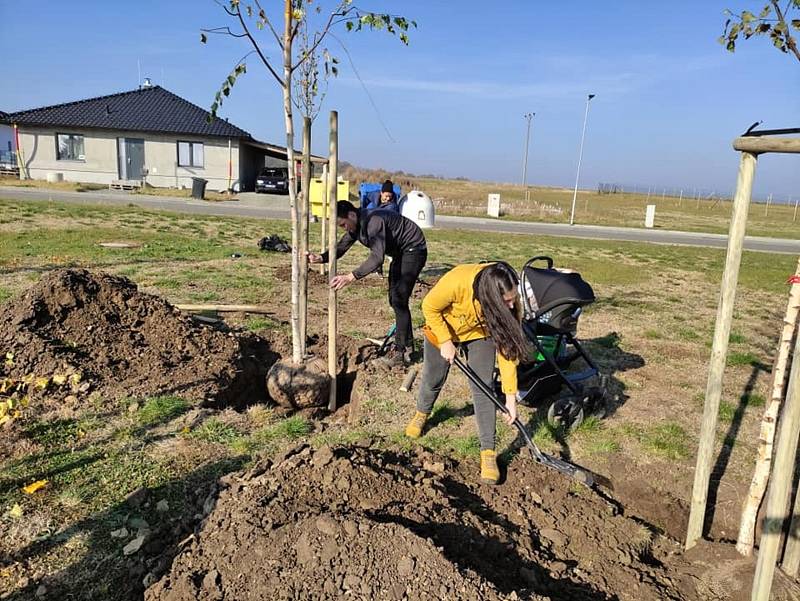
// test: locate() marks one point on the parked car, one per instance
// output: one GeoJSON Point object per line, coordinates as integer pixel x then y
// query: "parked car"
{"type": "Point", "coordinates": [273, 179]}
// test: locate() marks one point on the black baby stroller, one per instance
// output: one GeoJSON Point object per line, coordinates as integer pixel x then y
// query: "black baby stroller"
{"type": "Point", "coordinates": [552, 301]}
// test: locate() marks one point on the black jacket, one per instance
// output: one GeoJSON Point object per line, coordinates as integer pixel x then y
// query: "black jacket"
{"type": "Point", "coordinates": [384, 233]}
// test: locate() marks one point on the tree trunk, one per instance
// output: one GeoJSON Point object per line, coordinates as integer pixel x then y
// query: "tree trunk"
{"type": "Point", "coordinates": [297, 354]}
{"type": "Point", "coordinates": [758, 485]}
{"type": "Point", "coordinates": [305, 203]}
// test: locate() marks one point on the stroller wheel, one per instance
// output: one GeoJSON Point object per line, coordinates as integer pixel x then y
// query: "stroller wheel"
{"type": "Point", "coordinates": [566, 412]}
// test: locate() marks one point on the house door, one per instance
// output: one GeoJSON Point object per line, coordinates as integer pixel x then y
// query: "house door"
{"type": "Point", "coordinates": [131, 158]}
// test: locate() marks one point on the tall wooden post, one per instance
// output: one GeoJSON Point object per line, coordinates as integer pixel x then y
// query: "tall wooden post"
{"type": "Point", "coordinates": [719, 349]}
{"type": "Point", "coordinates": [680, 199]}
{"type": "Point", "coordinates": [323, 268]}
{"type": "Point", "coordinates": [333, 176]}
{"type": "Point", "coordinates": [794, 217]}
{"type": "Point", "coordinates": [305, 205]}
{"type": "Point", "coordinates": [780, 485]}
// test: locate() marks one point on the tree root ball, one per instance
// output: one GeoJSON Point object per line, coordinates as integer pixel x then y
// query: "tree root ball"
{"type": "Point", "coordinates": [298, 386]}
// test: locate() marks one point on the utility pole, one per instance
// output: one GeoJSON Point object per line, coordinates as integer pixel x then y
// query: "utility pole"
{"type": "Point", "coordinates": [580, 156]}
{"type": "Point", "coordinates": [528, 117]}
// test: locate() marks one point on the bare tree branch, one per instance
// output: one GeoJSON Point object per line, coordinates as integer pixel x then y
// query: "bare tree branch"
{"type": "Point", "coordinates": [320, 35]}
{"type": "Point", "coordinates": [225, 8]}
{"type": "Point", "coordinates": [258, 49]}
{"type": "Point", "coordinates": [224, 31]}
{"type": "Point", "coordinates": [263, 14]}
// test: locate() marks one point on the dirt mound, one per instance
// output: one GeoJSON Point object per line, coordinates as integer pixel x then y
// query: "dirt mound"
{"type": "Point", "coordinates": [373, 524]}
{"type": "Point", "coordinates": [125, 343]}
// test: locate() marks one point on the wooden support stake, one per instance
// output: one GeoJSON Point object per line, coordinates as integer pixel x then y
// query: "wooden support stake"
{"type": "Point", "coordinates": [324, 233]}
{"type": "Point", "coordinates": [305, 205]}
{"type": "Point", "coordinates": [408, 381]}
{"type": "Point", "coordinates": [794, 218]}
{"type": "Point", "coordinates": [333, 173]}
{"type": "Point", "coordinates": [225, 308]}
{"type": "Point", "coordinates": [758, 485]}
{"type": "Point", "coordinates": [719, 349]}
{"type": "Point", "coordinates": [780, 486]}
{"type": "Point", "coordinates": [680, 200]}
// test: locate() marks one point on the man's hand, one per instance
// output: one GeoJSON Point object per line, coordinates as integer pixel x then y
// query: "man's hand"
{"type": "Point", "coordinates": [448, 351]}
{"type": "Point", "coordinates": [340, 281]}
{"type": "Point", "coordinates": [511, 405]}
{"type": "Point", "coordinates": [314, 257]}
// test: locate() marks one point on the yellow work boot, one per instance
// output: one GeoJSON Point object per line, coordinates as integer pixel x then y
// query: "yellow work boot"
{"type": "Point", "coordinates": [414, 427]}
{"type": "Point", "coordinates": [490, 473]}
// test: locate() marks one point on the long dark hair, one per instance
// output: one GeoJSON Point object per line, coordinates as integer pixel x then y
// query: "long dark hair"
{"type": "Point", "coordinates": [501, 322]}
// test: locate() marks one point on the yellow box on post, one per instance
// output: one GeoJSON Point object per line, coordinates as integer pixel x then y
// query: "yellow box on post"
{"type": "Point", "coordinates": [316, 194]}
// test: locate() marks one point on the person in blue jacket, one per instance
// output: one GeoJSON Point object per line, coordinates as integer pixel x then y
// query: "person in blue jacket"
{"type": "Point", "coordinates": [385, 200]}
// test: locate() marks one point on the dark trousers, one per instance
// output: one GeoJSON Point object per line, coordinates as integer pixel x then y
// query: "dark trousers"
{"type": "Point", "coordinates": [480, 357]}
{"type": "Point", "coordinates": [403, 273]}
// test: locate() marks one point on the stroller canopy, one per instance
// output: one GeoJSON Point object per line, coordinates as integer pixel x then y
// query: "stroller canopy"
{"type": "Point", "coordinates": [548, 286]}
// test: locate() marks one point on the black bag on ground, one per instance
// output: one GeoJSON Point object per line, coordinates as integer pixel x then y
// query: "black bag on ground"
{"type": "Point", "coordinates": [274, 243]}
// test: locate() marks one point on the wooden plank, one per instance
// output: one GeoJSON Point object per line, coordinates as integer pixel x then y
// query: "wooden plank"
{"type": "Point", "coordinates": [759, 145]}
{"type": "Point", "coordinates": [226, 308]}
{"type": "Point", "coordinates": [719, 349]}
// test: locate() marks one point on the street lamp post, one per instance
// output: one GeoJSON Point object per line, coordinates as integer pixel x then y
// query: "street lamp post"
{"type": "Point", "coordinates": [580, 156]}
{"type": "Point", "coordinates": [528, 117]}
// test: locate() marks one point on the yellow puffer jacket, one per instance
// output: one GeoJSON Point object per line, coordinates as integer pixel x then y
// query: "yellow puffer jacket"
{"type": "Point", "coordinates": [452, 313]}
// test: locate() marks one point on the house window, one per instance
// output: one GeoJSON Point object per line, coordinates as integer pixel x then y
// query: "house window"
{"type": "Point", "coordinates": [190, 154]}
{"type": "Point", "coordinates": [69, 147]}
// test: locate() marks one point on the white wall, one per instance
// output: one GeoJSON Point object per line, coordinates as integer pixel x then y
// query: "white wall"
{"type": "Point", "coordinates": [100, 164]}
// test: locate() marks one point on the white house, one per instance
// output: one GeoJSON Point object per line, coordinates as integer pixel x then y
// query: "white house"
{"type": "Point", "coordinates": [146, 135]}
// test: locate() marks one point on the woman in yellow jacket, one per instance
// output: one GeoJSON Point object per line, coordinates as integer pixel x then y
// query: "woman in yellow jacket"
{"type": "Point", "coordinates": [476, 306]}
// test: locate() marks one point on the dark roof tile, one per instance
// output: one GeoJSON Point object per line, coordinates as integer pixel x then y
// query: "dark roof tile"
{"type": "Point", "coordinates": [150, 109]}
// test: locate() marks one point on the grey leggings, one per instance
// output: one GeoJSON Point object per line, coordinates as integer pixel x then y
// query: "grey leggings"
{"type": "Point", "coordinates": [480, 357]}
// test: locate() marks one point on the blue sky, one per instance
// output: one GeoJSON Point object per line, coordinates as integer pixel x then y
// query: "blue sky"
{"type": "Point", "coordinates": [669, 99]}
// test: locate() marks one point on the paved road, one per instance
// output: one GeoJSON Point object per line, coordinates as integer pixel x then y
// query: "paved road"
{"type": "Point", "coordinates": [276, 207]}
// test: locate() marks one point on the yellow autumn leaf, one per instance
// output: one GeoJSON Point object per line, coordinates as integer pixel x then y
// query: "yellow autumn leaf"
{"type": "Point", "coordinates": [15, 511]}
{"type": "Point", "coordinates": [75, 378]}
{"type": "Point", "coordinates": [59, 379]}
{"type": "Point", "coordinates": [185, 430]}
{"type": "Point", "coordinates": [34, 486]}
{"type": "Point", "coordinates": [42, 383]}
{"type": "Point", "coordinates": [4, 419]}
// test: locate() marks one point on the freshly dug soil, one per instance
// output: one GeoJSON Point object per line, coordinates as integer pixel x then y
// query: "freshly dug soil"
{"type": "Point", "coordinates": [363, 523]}
{"type": "Point", "coordinates": [125, 343]}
